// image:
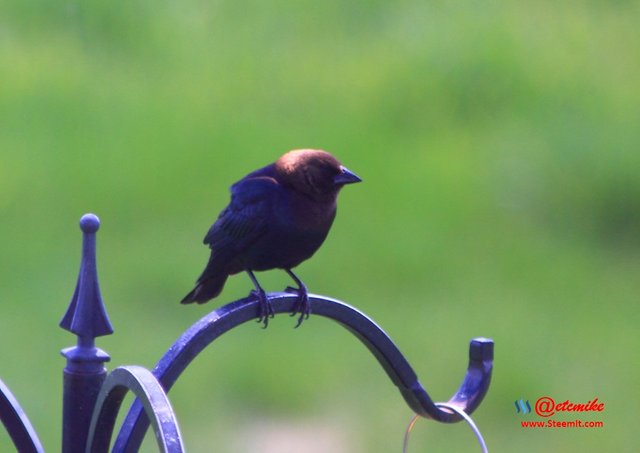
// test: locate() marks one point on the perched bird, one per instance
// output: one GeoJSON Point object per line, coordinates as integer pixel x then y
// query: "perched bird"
{"type": "Point", "coordinates": [278, 217]}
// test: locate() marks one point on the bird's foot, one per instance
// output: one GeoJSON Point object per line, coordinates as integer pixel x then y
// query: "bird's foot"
{"type": "Point", "coordinates": [266, 309]}
{"type": "Point", "coordinates": [302, 306]}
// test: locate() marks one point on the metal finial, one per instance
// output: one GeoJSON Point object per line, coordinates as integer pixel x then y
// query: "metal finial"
{"type": "Point", "coordinates": [86, 315]}
{"type": "Point", "coordinates": [89, 223]}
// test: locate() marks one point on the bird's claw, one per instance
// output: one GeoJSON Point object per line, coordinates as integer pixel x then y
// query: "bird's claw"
{"type": "Point", "coordinates": [302, 306]}
{"type": "Point", "coordinates": [266, 309]}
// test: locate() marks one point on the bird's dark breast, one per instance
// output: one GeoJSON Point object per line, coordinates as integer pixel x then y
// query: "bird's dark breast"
{"type": "Point", "coordinates": [294, 235]}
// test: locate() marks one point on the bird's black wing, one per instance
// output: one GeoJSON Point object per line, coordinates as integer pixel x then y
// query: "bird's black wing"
{"type": "Point", "coordinates": [246, 219]}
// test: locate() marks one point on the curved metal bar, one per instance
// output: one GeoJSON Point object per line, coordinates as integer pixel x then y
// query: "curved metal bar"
{"type": "Point", "coordinates": [17, 424]}
{"type": "Point", "coordinates": [213, 325]}
{"type": "Point", "coordinates": [154, 401]}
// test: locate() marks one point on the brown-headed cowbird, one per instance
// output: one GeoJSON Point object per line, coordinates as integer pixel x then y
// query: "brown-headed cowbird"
{"type": "Point", "coordinates": [278, 217]}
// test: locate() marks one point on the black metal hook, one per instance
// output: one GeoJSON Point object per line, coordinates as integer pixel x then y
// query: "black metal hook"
{"type": "Point", "coordinates": [88, 389]}
{"type": "Point", "coordinates": [154, 400]}
{"type": "Point", "coordinates": [213, 325]}
{"type": "Point", "coordinates": [17, 423]}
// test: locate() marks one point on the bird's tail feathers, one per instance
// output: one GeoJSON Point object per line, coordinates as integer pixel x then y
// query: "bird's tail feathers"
{"type": "Point", "coordinates": [207, 288]}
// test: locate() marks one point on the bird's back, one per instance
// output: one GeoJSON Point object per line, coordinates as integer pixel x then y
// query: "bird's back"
{"type": "Point", "coordinates": [267, 225]}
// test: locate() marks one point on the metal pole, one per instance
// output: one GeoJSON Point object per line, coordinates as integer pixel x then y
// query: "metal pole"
{"type": "Point", "coordinates": [85, 372]}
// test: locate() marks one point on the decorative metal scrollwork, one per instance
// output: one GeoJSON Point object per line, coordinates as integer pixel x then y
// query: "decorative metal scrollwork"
{"type": "Point", "coordinates": [17, 423]}
{"type": "Point", "coordinates": [153, 399]}
{"type": "Point", "coordinates": [207, 329]}
{"type": "Point", "coordinates": [92, 398]}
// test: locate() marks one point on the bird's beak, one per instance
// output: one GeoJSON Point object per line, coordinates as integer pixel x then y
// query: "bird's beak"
{"type": "Point", "coordinates": [345, 176]}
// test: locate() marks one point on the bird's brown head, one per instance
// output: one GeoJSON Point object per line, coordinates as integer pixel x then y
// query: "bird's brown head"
{"type": "Point", "coordinates": [315, 173]}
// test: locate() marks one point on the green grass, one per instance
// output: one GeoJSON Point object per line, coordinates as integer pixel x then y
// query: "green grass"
{"type": "Point", "coordinates": [499, 148]}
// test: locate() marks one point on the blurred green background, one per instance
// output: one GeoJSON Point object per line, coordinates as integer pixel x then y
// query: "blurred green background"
{"type": "Point", "coordinates": [498, 142]}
